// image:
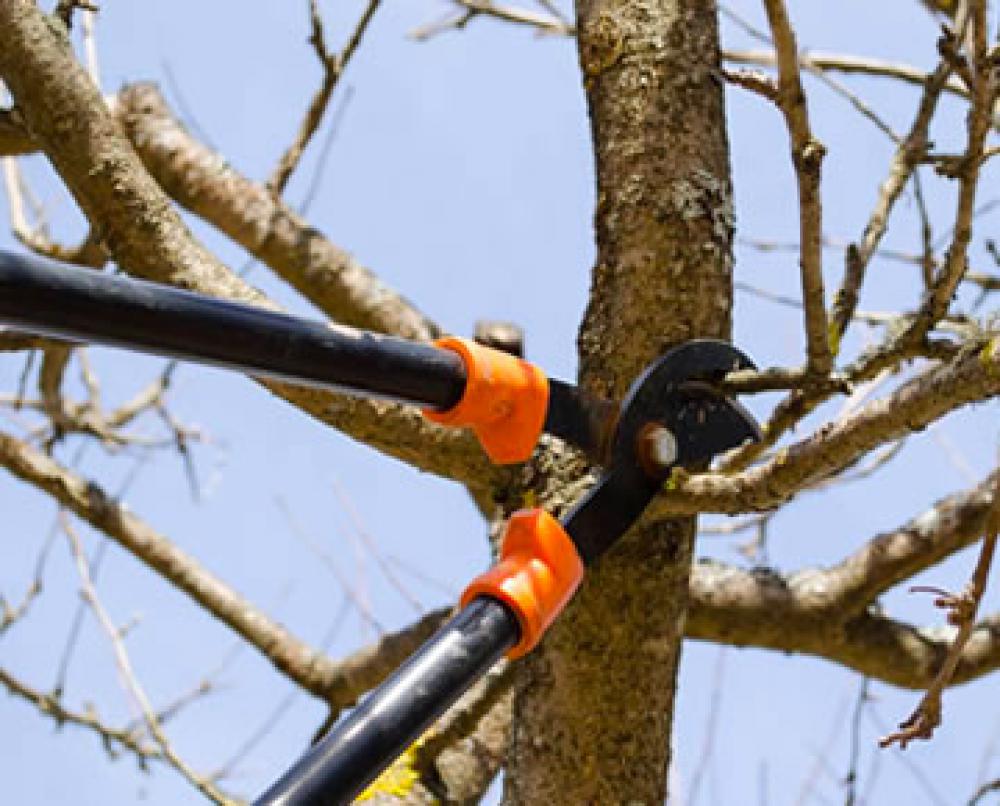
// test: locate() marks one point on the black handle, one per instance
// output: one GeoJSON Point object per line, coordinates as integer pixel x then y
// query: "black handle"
{"type": "Point", "coordinates": [345, 761]}
{"type": "Point", "coordinates": [42, 296]}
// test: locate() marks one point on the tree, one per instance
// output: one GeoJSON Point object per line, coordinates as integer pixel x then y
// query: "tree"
{"type": "Point", "coordinates": [590, 713]}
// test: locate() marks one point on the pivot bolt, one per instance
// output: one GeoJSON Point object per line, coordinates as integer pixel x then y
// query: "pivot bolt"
{"type": "Point", "coordinates": [657, 447]}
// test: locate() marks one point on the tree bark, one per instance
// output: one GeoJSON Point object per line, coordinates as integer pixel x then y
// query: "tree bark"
{"type": "Point", "coordinates": [594, 706]}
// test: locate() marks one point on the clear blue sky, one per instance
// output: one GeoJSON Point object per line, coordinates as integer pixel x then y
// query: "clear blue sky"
{"type": "Point", "coordinates": [461, 173]}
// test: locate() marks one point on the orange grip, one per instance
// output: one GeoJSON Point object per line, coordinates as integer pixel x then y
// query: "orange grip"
{"type": "Point", "coordinates": [538, 573]}
{"type": "Point", "coordinates": [504, 402]}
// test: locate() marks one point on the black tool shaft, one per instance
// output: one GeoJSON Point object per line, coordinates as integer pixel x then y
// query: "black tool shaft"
{"type": "Point", "coordinates": [41, 296]}
{"type": "Point", "coordinates": [395, 714]}
{"type": "Point", "coordinates": [392, 717]}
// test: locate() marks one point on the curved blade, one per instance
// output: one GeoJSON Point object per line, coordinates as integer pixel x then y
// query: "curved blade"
{"type": "Point", "coordinates": [593, 424]}
{"type": "Point", "coordinates": [677, 393]}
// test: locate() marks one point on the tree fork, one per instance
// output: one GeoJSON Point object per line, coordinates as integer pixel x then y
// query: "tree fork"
{"type": "Point", "coordinates": [594, 706]}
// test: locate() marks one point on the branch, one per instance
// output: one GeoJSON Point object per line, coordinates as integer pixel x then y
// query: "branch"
{"type": "Point", "coordinates": [837, 62]}
{"type": "Point", "coordinates": [984, 94]}
{"type": "Point", "coordinates": [459, 756]}
{"type": "Point", "coordinates": [835, 85]}
{"type": "Point", "coordinates": [14, 138]}
{"type": "Point", "coordinates": [131, 682]}
{"type": "Point", "coordinates": [88, 253]}
{"type": "Point", "coordinates": [203, 182]}
{"type": "Point", "coordinates": [14, 341]}
{"type": "Point", "coordinates": [757, 609]}
{"type": "Point", "coordinates": [340, 684]}
{"type": "Point", "coordinates": [552, 23]}
{"type": "Point", "coordinates": [807, 155]}
{"type": "Point", "coordinates": [114, 739]}
{"type": "Point", "coordinates": [753, 606]}
{"type": "Point", "coordinates": [962, 609]}
{"type": "Point", "coordinates": [948, 526]}
{"type": "Point", "coordinates": [974, 375]}
{"type": "Point", "coordinates": [907, 157]}
{"type": "Point", "coordinates": [469, 744]}
{"type": "Point", "coordinates": [149, 239]}
{"type": "Point", "coordinates": [333, 69]}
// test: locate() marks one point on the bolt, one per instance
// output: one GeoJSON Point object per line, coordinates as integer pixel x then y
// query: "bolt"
{"type": "Point", "coordinates": [659, 446]}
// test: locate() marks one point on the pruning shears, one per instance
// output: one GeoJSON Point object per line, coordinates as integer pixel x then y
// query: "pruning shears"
{"type": "Point", "coordinates": [673, 415]}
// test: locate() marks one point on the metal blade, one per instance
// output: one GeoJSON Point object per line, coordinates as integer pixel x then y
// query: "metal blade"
{"type": "Point", "coordinates": [609, 509]}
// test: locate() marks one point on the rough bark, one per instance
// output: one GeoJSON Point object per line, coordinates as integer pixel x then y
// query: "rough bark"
{"type": "Point", "coordinates": [203, 182]}
{"type": "Point", "coordinates": [594, 708]}
{"type": "Point", "coordinates": [66, 115]}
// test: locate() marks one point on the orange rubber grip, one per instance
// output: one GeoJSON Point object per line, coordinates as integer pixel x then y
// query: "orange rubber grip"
{"type": "Point", "coordinates": [538, 573]}
{"type": "Point", "coordinates": [505, 401]}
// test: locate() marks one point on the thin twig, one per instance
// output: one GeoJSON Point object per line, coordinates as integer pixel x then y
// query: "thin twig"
{"type": "Point", "coordinates": [271, 721]}
{"type": "Point", "coordinates": [114, 739]}
{"type": "Point", "coordinates": [153, 726]}
{"type": "Point", "coordinates": [941, 292]}
{"type": "Point", "coordinates": [371, 546]}
{"type": "Point", "coordinates": [851, 779]}
{"type": "Point", "coordinates": [927, 263]}
{"type": "Point", "coordinates": [961, 609]}
{"type": "Point", "coordinates": [89, 253]}
{"type": "Point", "coordinates": [357, 599]}
{"type": "Point", "coordinates": [807, 155]}
{"type": "Point", "coordinates": [820, 74]}
{"type": "Point", "coordinates": [984, 790]}
{"type": "Point", "coordinates": [908, 155]}
{"type": "Point", "coordinates": [551, 24]}
{"type": "Point", "coordinates": [711, 727]}
{"type": "Point", "coordinates": [755, 81]}
{"type": "Point", "coordinates": [844, 63]}
{"type": "Point", "coordinates": [333, 68]}
{"type": "Point", "coordinates": [916, 771]}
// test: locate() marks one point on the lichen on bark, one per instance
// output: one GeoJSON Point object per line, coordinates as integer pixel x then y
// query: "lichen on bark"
{"type": "Point", "coordinates": [593, 711]}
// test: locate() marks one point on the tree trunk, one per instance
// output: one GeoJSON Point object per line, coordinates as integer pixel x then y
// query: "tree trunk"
{"type": "Point", "coordinates": [594, 705]}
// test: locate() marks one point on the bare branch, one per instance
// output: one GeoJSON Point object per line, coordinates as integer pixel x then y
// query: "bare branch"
{"type": "Point", "coordinates": [333, 69]}
{"type": "Point", "coordinates": [50, 378]}
{"type": "Point", "coordinates": [948, 526]}
{"type": "Point", "coordinates": [340, 684]}
{"type": "Point", "coordinates": [761, 612]}
{"type": "Point", "coordinates": [940, 294]}
{"type": "Point", "coordinates": [64, 10]}
{"type": "Point", "coordinates": [851, 779]}
{"type": "Point", "coordinates": [114, 739]}
{"type": "Point", "coordinates": [974, 375]}
{"type": "Point", "coordinates": [468, 746]}
{"type": "Point", "coordinates": [753, 607]}
{"type": "Point", "coordinates": [909, 154]}
{"type": "Point", "coordinates": [89, 252]}
{"type": "Point", "coordinates": [152, 723]}
{"type": "Point", "coordinates": [553, 24]}
{"type": "Point", "coordinates": [843, 63]}
{"type": "Point", "coordinates": [15, 341]}
{"type": "Point", "coordinates": [755, 81]}
{"type": "Point", "coordinates": [962, 609]}
{"type": "Point", "coordinates": [984, 790]}
{"type": "Point", "coordinates": [203, 182]}
{"type": "Point", "coordinates": [836, 86]}
{"type": "Point", "coordinates": [11, 615]}
{"type": "Point", "coordinates": [149, 239]}
{"type": "Point", "coordinates": [807, 155]}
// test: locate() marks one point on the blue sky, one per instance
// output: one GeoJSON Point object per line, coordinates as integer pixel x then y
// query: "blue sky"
{"type": "Point", "coordinates": [461, 173]}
